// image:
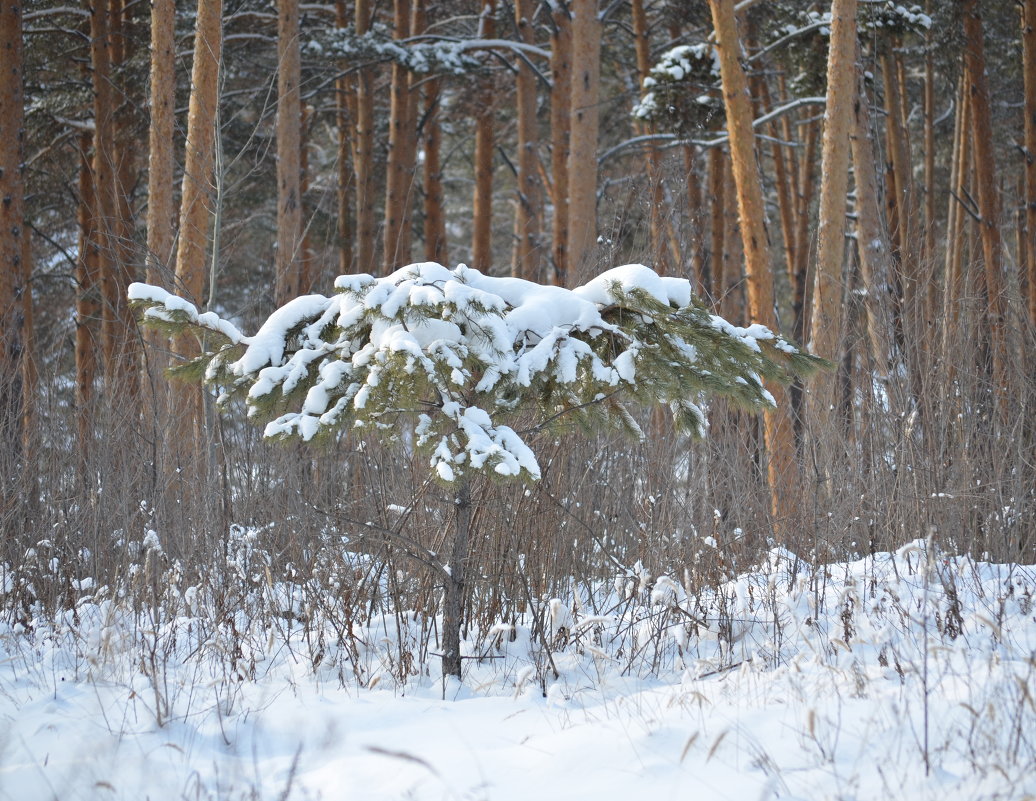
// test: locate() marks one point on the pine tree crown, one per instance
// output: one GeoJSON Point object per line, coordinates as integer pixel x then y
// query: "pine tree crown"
{"type": "Point", "coordinates": [467, 366]}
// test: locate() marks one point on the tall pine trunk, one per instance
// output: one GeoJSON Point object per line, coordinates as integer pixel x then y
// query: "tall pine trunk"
{"type": "Point", "coordinates": [161, 161]}
{"type": "Point", "coordinates": [988, 200]}
{"type": "Point", "coordinates": [1029, 70]}
{"type": "Point", "coordinates": [160, 212]}
{"type": "Point", "coordinates": [88, 305]}
{"type": "Point", "coordinates": [105, 201]}
{"type": "Point", "coordinates": [363, 153]}
{"type": "Point", "coordinates": [779, 433]}
{"type": "Point", "coordinates": [197, 196]}
{"type": "Point", "coordinates": [288, 262]}
{"type": "Point", "coordinates": [125, 173]}
{"type": "Point", "coordinates": [397, 180]}
{"type": "Point", "coordinates": [482, 204]}
{"type": "Point", "coordinates": [560, 132]}
{"type": "Point", "coordinates": [871, 244]}
{"type": "Point", "coordinates": [434, 199]}
{"type": "Point", "coordinates": [829, 287]}
{"type": "Point", "coordinates": [527, 260]}
{"type": "Point", "coordinates": [15, 294]}
{"type": "Point", "coordinates": [582, 159]}
{"type": "Point", "coordinates": [345, 93]}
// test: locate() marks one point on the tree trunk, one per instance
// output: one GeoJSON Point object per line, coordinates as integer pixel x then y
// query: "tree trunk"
{"type": "Point", "coordinates": [1029, 70]}
{"type": "Point", "coordinates": [695, 251]}
{"type": "Point", "coordinates": [434, 213]}
{"type": "Point", "coordinates": [527, 261]}
{"type": "Point", "coordinates": [732, 259]}
{"type": "Point", "coordinates": [953, 265]}
{"type": "Point", "coordinates": [161, 161]}
{"type": "Point", "coordinates": [829, 287]}
{"type": "Point", "coordinates": [309, 273]}
{"type": "Point", "coordinates": [161, 212]}
{"type": "Point", "coordinates": [582, 159]}
{"type": "Point", "coordinates": [196, 197]}
{"type": "Point", "coordinates": [482, 204]}
{"type": "Point", "coordinates": [125, 151]}
{"type": "Point", "coordinates": [453, 608]}
{"type": "Point", "coordinates": [782, 469]}
{"type": "Point", "coordinates": [798, 275]}
{"type": "Point", "coordinates": [714, 283]}
{"type": "Point", "coordinates": [985, 176]}
{"type": "Point", "coordinates": [782, 183]}
{"type": "Point", "coordinates": [363, 153]}
{"type": "Point", "coordinates": [345, 92]}
{"type": "Point", "coordinates": [88, 306]}
{"type": "Point", "coordinates": [106, 203]}
{"type": "Point", "coordinates": [14, 267]}
{"type": "Point", "coordinates": [289, 154]}
{"type": "Point", "coordinates": [870, 235]}
{"type": "Point", "coordinates": [397, 181]}
{"type": "Point", "coordinates": [560, 131]}
{"type": "Point", "coordinates": [197, 205]}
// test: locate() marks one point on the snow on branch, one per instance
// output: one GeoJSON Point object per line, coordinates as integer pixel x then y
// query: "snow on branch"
{"type": "Point", "coordinates": [462, 361]}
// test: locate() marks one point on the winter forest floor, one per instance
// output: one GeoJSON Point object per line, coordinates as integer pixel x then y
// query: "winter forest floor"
{"type": "Point", "coordinates": [909, 675]}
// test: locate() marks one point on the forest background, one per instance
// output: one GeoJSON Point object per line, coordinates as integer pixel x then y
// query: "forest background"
{"type": "Point", "coordinates": [862, 177]}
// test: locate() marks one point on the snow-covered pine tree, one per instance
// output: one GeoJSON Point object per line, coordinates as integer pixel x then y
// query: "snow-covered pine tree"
{"type": "Point", "coordinates": [468, 366]}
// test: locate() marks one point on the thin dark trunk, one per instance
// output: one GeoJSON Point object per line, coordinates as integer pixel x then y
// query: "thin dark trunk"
{"type": "Point", "coordinates": [453, 611]}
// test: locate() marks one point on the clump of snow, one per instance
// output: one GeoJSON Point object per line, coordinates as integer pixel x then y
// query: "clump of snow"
{"type": "Point", "coordinates": [673, 93]}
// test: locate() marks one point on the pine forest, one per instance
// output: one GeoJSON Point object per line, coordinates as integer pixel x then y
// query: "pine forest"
{"type": "Point", "coordinates": [509, 346]}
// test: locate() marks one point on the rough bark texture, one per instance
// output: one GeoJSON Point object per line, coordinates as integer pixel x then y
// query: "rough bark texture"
{"type": "Point", "coordinates": [125, 152]}
{"type": "Point", "coordinates": [900, 191]}
{"type": "Point", "coordinates": [731, 285]}
{"type": "Point", "coordinates": [829, 287]}
{"type": "Point", "coordinates": [161, 210]}
{"type": "Point", "coordinates": [453, 611]}
{"type": "Point", "coordinates": [88, 305]}
{"type": "Point", "coordinates": [560, 122]}
{"type": "Point", "coordinates": [782, 182]}
{"type": "Point", "coordinates": [527, 260]}
{"type": "Point", "coordinates": [782, 469]}
{"type": "Point", "coordinates": [397, 181]}
{"type": "Point", "coordinates": [482, 204]}
{"type": "Point", "coordinates": [985, 176]}
{"type": "Point", "coordinates": [870, 235]}
{"type": "Point", "coordinates": [363, 153]}
{"type": "Point", "coordinates": [197, 197]}
{"type": "Point", "coordinates": [105, 201]}
{"type": "Point", "coordinates": [798, 274]}
{"type": "Point", "coordinates": [434, 213]}
{"type": "Point", "coordinates": [582, 160]}
{"type": "Point", "coordinates": [14, 234]}
{"type": "Point", "coordinates": [1029, 70]}
{"type": "Point", "coordinates": [289, 154]}
{"type": "Point", "coordinates": [714, 283]}
{"type": "Point", "coordinates": [954, 262]}
{"type": "Point", "coordinates": [346, 94]}
{"type": "Point", "coordinates": [160, 207]}
{"type": "Point", "coordinates": [695, 213]}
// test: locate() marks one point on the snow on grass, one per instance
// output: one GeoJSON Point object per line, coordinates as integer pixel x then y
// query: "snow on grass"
{"type": "Point", "coordinates": [906, 675]}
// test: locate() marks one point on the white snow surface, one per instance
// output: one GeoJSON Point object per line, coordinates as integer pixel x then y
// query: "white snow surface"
{"type": "Point", "coordinates": [832, 682]}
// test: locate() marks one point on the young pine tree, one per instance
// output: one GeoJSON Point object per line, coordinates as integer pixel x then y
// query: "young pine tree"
{"type": "Point", "coordinates": [468, 367]}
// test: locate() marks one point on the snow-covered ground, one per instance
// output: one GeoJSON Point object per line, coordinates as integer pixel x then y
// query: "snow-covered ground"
{"type": "Point", "coordinates": [908, 675]}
